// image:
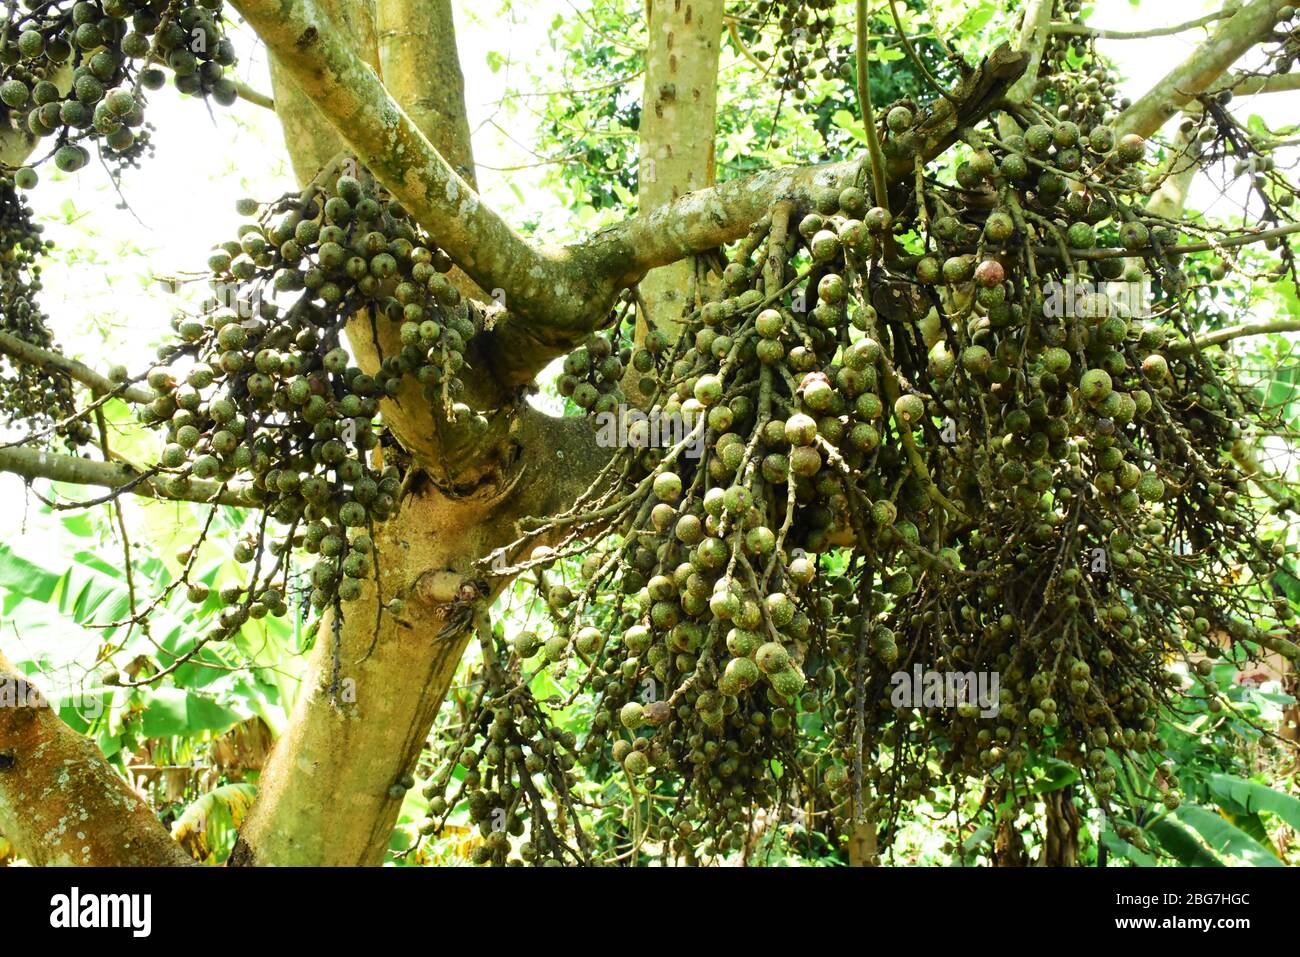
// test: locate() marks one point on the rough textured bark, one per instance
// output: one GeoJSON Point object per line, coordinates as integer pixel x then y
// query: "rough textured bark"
{"type": "Point", "coordinates": [61, 803]}
{"type": "Point", "coordinates": [678, 118]}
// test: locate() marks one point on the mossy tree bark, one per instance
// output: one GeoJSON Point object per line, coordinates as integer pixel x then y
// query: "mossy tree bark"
{"type": "Point", "coordinates": [61, 803]}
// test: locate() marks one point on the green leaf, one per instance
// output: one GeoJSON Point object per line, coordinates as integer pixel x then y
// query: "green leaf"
{"type": "Point", "coordinates": [1285, 579]}
{"type": "Point", "coordinates": [976, 19]}
{"type": "Point", "coordinates": [208, 827]}
{"type": "Point", "coordinates": [77, 524]}
{"type": "Point", "coordinates": [1122, 848]}
{"type": "Point", "coordinates": [1247, 823]}
{"type": "Point", "coordinates": [849, 124]}
{"type": "Point", "coordinates": [175, 711]}
{"type": "Point", "coordinates": [1253, 798]}
{"type": "Point", "coordinates": [1257, 126]}
{"type": "Point", "coordinates": [88, 590]}
{"type": "Point", "coordinates": [1058, 774]}
{"type": "Point", "coordinates": [1225, 839]}
{"type": "Point", "coordinates": [981, 835]}
{"type": "Point", "coordinates": [25, 578]}
{"type": "Point", "coordinates": [1180, 842]}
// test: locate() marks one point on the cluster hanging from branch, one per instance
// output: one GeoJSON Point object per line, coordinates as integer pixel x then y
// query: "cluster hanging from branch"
{"type": "Point", "coordinates": [75, 72]}
{"type": "Point", "coordinates": [973, 438]}
{"type": "Point", "coordinates": [261, 385]}
{"type": "Point", "coordinates": [41, 399]}
{"type": "Point", "coordinates": [806, 47]}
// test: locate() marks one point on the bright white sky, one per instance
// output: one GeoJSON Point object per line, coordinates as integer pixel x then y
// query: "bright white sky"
{"type": "Point", "coordinates": [183, 201]}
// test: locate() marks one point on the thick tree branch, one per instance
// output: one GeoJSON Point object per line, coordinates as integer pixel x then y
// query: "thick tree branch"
{"type": "Point", "coordinates": [707, 218]}
{"type": "Point", "coordinates": [60, 802]}
{"type": "Point", "coordinates": [1035, 28]}
{"type": "Point", "coordinates": [1247, 27]}
{"type": "Point", "coordinates": [553, 295]}
{"type": "Point", "coordinates": [1082, 30]}
{"type": "Point", "coordinates": [310, 137]}
{"type": "Point", "coordinates": [1035, 23]}
{"type": "Point", "coordinates": [1242, 84]}
{"type": "Point", "coordinates": [34, 464]}
{"type": "Point", "coordinates": [1219, 336]}
{"type": "Point", "coordinates": [1111, 252]}
{"type": "Point", "coordinates": [1178, 173]}
{"type": "Point", "coordinates": [312, 140]}
{"type": "Point", "coordinates": [421, 69]}
{"type": "Point", "coordinates": [678, 119]}
{"type": "Point", "coordinates": [548, 285]}
{"type": "Point", "coordinates": [1278, 644]}
{"type": "Point", "coordinates": [29, 354]}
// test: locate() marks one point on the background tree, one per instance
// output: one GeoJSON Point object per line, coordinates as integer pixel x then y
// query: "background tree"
{"type": "Point", "coordinates": [434, 481]}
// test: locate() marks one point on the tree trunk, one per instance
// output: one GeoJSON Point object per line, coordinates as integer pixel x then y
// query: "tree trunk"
{"type": "Point", "coordinates": [1008, 845]}
{"type": "Point", "coordinates": [372, 690]}
{"type": "Point", "coordinates": [1061, 830]}
{"type": "Point", "coordinates": [375, 682]}
{"type": "Point", "coordinates": [61, 803]}
{"type": "Point", "coordinates": [678, 117]}
{"type": "Point", "coordinates": [421, 67]}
